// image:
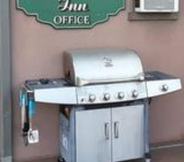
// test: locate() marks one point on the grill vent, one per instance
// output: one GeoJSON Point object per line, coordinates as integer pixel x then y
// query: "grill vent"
{"type": "Point", "coordinates": [159, 4]}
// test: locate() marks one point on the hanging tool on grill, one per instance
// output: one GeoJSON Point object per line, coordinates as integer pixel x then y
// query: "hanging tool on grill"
{"type": "Point", "coordinates": [27, 112]}
{"type": "Point", "coordinates": [24, 116]}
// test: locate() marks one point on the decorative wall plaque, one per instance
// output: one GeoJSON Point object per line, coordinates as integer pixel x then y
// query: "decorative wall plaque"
{"type": "Point", "coordinates": [64, 14]}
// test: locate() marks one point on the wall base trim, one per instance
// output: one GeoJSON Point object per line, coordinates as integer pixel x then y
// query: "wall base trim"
{"type": "Point", "coordinates": [167, 145]}
{"type": "Point", "coordinates": [39, 159]}
{"type": "Point", "coordinates": [154, 147]}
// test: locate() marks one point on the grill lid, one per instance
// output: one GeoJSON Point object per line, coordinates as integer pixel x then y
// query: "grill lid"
{"type": "Point", "coordinates": [84, 67]}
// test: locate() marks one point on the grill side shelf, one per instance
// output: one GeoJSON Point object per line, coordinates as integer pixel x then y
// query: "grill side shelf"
{"type": "Point", "coordinates": [55, 91]}
{"type": "Point", "coordinates": [159, 83]}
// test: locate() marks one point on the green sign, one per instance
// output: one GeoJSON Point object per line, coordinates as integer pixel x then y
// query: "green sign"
{"type": "Point", "coordinates": [71, 13]}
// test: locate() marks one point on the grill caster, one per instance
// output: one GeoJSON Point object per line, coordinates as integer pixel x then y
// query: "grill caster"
{"type": "Point", "coordinates": [147, 157]}
{"type": "Point", "coordinates": [147, 160]}
{"type": "Point", "coordinates": [60, 159]}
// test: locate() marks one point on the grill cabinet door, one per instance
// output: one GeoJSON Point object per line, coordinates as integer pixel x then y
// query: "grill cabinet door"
{"type": "Point", "coordinates": [93, 135]}
{"type": "Point", "coordinates": [127, 133]}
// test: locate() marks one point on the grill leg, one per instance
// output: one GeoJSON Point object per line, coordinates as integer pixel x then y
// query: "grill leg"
{"type": "Point", "coordinates": [146, 132]}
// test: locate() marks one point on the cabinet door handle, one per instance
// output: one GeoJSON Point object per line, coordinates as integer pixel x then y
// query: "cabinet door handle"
{"type": "Point", "coordinates": [107, 131]}
{"type": "Point", "coordinates": [116, 129]}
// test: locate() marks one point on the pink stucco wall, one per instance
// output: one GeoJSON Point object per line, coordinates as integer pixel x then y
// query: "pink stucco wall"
{"type": "Point", "coordinates": [37, 52]}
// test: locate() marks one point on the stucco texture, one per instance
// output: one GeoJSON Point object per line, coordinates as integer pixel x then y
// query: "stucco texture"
{"type": "Point", "coordinates": [37, 53]}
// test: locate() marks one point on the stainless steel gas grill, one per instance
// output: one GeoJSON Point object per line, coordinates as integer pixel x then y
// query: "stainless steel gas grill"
{"type": "Point", "coordinates": [104, 100]}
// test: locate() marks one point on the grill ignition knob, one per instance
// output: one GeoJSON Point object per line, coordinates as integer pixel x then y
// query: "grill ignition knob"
{"type": "Point", "coordinates": [121, 95]}
{"type": "Point", "coordinates": [106, 96]}
{"type": "Point", "coordinates": [135, 94]}
{"type": "Point", "coordinates": [92, 98]}
{"type": "Point", "coordinates": [165, 88]}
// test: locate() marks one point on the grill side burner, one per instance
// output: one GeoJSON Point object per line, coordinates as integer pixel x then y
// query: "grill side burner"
{"type": "Point", "coordinates": [104, 98]}
{"type": "Point", "coordinates": [159, 83]}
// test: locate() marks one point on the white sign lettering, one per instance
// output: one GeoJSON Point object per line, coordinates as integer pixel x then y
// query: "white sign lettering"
{"type": "Point", "coordinates": [66, 5]}
{"type": "Point", "coordinates": [76, 20]}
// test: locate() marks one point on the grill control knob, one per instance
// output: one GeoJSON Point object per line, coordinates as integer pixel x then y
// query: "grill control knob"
{"type": "Point", "coordinates": [135, 94]}
{"type": "Point", "coordinates": [165, 88]}
{"type": "Point", "coordinates": [121, 95]}
{"type": "Point", "coordinates": [106, 96]}
{"type": "Point", "coordinates": [44, 81]}
{"type": "Point", "coordinates": [92, 98]}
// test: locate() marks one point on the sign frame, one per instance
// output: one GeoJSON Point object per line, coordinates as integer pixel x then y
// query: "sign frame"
{"type": "Point", "coordinates": [38, 19]}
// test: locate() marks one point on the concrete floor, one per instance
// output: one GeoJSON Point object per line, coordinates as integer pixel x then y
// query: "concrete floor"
{"type": "Point", "coordinates": [165, 155]}
{"type": "Point", "coordinates": [169, 155]}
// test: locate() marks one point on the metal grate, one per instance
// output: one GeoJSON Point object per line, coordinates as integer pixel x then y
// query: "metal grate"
{"type": "Point", "coordinates": [159, 4]}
